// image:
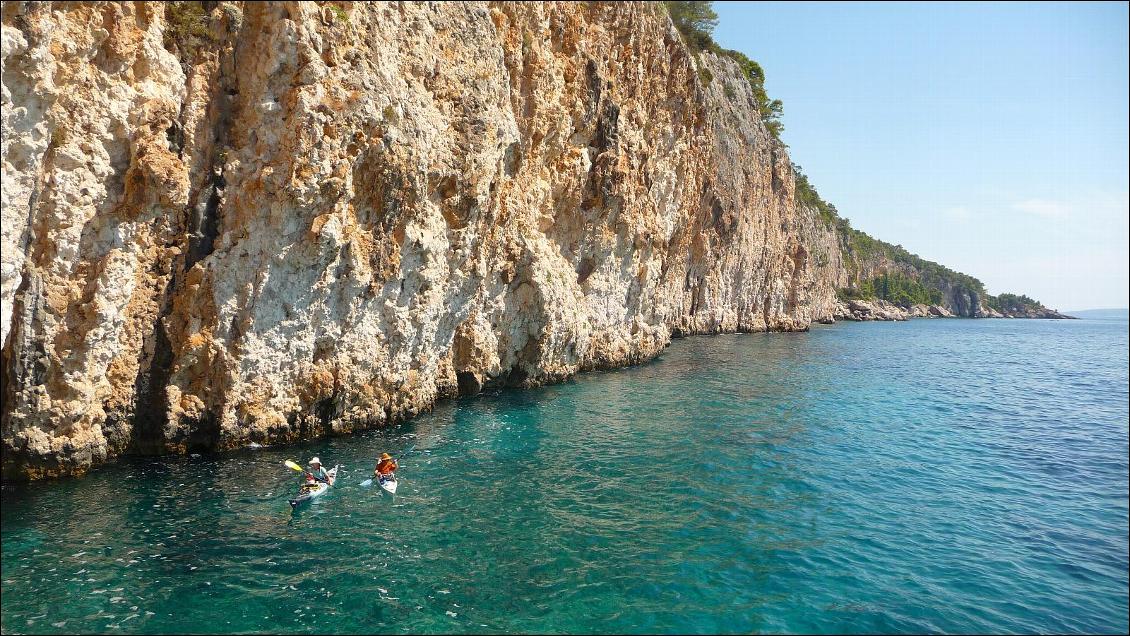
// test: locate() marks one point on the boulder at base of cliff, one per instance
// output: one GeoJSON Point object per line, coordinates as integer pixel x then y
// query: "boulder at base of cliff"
{"type": "Point", "coordinates": [989, 312]}
{"type": "Point", "coordinates": [940, 312]}
{"type": "Point", "coordinates": [918, 311]}
{"type": "Point", "coordinates": [890, 311]}
{"type": "Point", "coordinates": [874, 310]}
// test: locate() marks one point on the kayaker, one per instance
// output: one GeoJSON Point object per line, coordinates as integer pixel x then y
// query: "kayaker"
{"type": "Point", "coordinates": [318, 472]}
{"type": "Point", "coordinates": [386, 467]}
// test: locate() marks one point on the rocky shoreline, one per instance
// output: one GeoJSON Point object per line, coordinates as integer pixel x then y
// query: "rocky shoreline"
{"type": "Point", "coordinates": [866, 310]}
{"type": "Point", "coordinates": [259, 223]}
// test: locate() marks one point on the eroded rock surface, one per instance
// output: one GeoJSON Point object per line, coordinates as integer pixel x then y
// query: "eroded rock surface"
{"type": "Point", "coordinates": [275, 221]}
{"type": "Point", "coordinates": [863, 310]}
{"type": "Point", "coordinates": [229, 223]}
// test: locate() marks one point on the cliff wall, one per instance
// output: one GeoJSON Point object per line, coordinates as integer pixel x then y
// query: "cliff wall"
{"type": "Point", "coordinates": [230, 222]}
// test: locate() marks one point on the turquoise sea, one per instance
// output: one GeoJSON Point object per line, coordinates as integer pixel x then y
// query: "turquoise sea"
{"type": "Point", "coordinates": [930, 476]}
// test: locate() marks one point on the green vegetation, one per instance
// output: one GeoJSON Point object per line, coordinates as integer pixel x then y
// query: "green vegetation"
{"type": "Point", "coordinates": [704, 74]}
{"type": "Point", "coordinates": [186, 26]}
{"type": "Point", "coordinates": [339, 14]}
{"type": "Point", "coordinates": [925, 282]}
{"type": "Point", "coordinates": [1012, 303]}
{"type": "Point", "coordinates": [897, 288]}
{"type": "Point", "coordinates": [696, 22]}
{"type": "Point", "coordinates": [807, 195]}
{"type": "Point", "coordinates": [59, 137]}
{"type": "Point", "coordinates": [930, 284]}
{"type": "Point", "coordinates": [769, 109]}
{"type": "Point", "coordinates": [859, 247]}
{"type": "Point", "coordinates": [234, 15]}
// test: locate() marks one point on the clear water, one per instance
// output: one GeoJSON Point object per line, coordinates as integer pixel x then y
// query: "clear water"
{"type": "Point", "coordinates": [930, 476]}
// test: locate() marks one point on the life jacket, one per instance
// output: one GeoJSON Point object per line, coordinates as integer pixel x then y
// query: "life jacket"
{"type": "Point", "coordinates": [386, 466]}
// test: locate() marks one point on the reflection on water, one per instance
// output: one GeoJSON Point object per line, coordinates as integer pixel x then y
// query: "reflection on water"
{"type": "Point", "coordinates": [931, 476]}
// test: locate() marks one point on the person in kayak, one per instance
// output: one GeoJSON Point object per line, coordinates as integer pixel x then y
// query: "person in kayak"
{"type": "Point", "coordinates": [308, 481]}
{"type": "Point", "coordinates": [386, 468]}
{"type": "Point", "coordinates": [318, 472]}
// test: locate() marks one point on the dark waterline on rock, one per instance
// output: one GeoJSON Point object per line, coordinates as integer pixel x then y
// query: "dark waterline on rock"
{"type": "Point", "coordinates": [954, 476]}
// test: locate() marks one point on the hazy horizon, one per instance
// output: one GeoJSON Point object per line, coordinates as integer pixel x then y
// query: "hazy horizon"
{"type": "Point", "coordinates": [991, 138]}
{"type": "Point", "coordinates": [1094, 309]}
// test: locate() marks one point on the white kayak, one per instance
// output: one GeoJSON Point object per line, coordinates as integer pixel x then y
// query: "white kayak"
{"type": "Point", "coordinates": [309, 492]}
{"type": "Point", "coordinates": [388, 484]}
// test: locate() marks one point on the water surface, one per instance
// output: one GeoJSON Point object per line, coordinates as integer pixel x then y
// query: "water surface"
{"type": "Point", "coordinates": [930, 476]}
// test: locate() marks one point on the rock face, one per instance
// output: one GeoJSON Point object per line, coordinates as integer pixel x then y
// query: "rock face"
{"type": "Point", "coordinates": [960, 295]}
{"type": "Point", "coordinates": [266, 222]}
{"type": "Point", "coordinates": [1030, 312]}
{"type": "Point", "coordinates": [228, 223]}
{"type": "Point", "coordinates": [861, 310]}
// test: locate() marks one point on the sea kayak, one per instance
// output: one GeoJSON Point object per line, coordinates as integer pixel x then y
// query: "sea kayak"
{"type": "Point", "coordinates": [388, 484]}
{"type": "Point", "coordinates": [306, 493]}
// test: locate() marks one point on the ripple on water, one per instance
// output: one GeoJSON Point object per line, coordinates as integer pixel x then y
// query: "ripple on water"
{"type": "Point", "coordinates": [963, 476]}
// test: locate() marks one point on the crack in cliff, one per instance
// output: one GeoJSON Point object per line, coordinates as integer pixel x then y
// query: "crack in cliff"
{"type": "Point", "coordinates": [150, 432]}
{"type": "Point", "coordinates": [23, 365]}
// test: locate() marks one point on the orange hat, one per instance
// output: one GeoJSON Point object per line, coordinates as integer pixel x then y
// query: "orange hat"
{"type": "Point", "coordinates": [386, 456]}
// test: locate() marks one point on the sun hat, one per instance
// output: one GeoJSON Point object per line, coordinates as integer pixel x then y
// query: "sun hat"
{"type": "Point", "coordinates": [314, 461]}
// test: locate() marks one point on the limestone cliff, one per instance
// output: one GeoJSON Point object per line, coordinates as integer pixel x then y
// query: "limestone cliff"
{"type": "Point", "coordinates": [230, 222]}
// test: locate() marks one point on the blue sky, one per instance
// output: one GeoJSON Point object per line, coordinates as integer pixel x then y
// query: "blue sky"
{"type": "Point", "coordinates": [991, 138]}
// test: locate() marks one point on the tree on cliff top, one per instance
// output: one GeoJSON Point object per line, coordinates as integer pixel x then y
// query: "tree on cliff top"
{"type": "Point", "coordinates": [695, 20]}
{"type": "Point", "coordinates": [1013, 304]}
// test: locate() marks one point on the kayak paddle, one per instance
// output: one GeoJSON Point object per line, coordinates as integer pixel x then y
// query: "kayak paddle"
{"type": "Point", "coordinates": [290, 464]}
